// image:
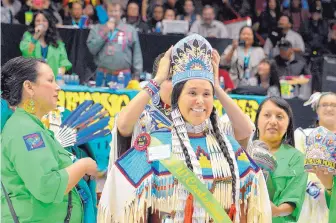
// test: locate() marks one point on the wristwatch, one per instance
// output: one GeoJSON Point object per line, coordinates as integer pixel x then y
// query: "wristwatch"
{"type": "Point", "coordinates": [329, 191]}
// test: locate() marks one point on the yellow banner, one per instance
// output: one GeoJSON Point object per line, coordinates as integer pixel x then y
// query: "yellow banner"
{"type": "Point", "coordinates": [322, 162]}
{"type": "Point", "coordinates": [113, 101]}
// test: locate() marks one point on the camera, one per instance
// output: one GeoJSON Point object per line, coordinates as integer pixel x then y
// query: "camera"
{"type": "Point", "coordinates": [276, 35]}
{"type": "Point", "coordinates": [241, 43]}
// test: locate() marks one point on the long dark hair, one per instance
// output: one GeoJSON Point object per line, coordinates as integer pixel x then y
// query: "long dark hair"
{"type": "Point", "coordinates": [274, 75]}
{"type": "Point", "coordinates": [13, 74]}
{"type": "Point", "coordinates": [277, 8]}
{"type": "Point", "coordinates": [255, 39]}
{"type": "Point", "coordinates": [175, 96]}
{"type": "Point", "coordinates": [51, 36]}
{"type": "Point", "coordinates": [288, 138]}
{"type": "Point", "coordinates": [193, 2]}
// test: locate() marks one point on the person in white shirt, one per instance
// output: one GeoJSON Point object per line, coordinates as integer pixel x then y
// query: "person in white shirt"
{"type": "Point", "coordinates": [285, 31]}
{"type": "Point", "coordinates": [208, 26]}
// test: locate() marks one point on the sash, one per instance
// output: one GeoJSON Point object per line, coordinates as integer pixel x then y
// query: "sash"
{"type": "Point", "coordinates": [190, 181]}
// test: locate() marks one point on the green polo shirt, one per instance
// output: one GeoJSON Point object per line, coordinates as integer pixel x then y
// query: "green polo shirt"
{"type": "Point", "coordinates": [33, 172]}
{"type": "Point", "coordinates": [287, 184]}
{"type": "Point", "coordinates": [331, 202]}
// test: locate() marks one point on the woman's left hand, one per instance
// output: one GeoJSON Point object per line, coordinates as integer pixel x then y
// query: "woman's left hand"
{"type": "Point", "coordinates": [215, 64]}
{"type": "Point", "coordinates": [324, 176]}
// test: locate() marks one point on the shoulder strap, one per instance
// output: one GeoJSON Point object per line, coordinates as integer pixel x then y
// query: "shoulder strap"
{"type": "Point", "coordinates": [69, 210]}
{"type": "Point", "coordinates": [14, 216]}
{"type": "Point", "coordinates": [10, 205]}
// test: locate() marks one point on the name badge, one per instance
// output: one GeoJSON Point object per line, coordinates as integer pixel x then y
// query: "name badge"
{"type": "Point", "coordinates": [158, 152]}
{"type": "Point", "coordinates": [120, 38]}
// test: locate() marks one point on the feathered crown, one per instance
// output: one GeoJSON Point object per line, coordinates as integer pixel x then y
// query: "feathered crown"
{"type": "Point", "coordinates": [191, 59]}
{"type": "Point", "coordinates": [321, 149]}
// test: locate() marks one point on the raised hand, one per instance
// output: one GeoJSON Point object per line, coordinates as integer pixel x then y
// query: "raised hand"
{"type": "Point", "coordinates": [164, 67]}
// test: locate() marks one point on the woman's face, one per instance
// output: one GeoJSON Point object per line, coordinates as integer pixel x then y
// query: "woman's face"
{"type": "Point", "coordinates": [45, 88]}
{"type": "Point", "coordinates": [326, 110]}
{"type": "Point", "coordinates": [132, 10]}
{"type": "Point", "coordinates": [188, 7]}
{"type": "Point", "coordinates": [247, 36]}
{"type": "Point", "coordinates": [41, 20]}
{"type": "Point", "coordinates": [158, 13]}
{"type": "Point", "coordinates": [88, 10]}
{"type": "Point", "coordinates": [272, 4]}
{"type": "Point", "coordinates": [264, 69]}
{"type": "Point", "coordinates": [169, 14]}
{"type": "Point", "coordinates": [166, 89]}
{"type": "Point", "coordinates": [272, 123]}
{"type": "Point", "coordinates": [196, 101]}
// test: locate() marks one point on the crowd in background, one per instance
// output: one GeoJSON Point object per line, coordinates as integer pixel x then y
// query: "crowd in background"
{"type": "Point", "coordinates": [283, 40]}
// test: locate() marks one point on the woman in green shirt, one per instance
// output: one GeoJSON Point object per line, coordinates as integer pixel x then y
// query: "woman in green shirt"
{"type": "Point", "coordinates": [286, 185]}
{"type": "Point", "coordinates": [37, 173]}
{"type": "Point", "coordinates": [42, 41]}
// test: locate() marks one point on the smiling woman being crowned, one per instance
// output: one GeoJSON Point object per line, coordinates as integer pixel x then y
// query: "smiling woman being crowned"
{"type": "Point", "coordinates": [193, 173]}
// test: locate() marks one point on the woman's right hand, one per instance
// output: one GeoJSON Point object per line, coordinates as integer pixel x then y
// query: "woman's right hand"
{"type": "Point", "coordinates": [164, 67]}
{"type": "Point", "coordinates": [110, 24]}
{"type": "Point", "coordinates": [38, 31]}
{"type": "Point", "coordinates": [91, 167]}
{"type": "Point", "coordinates": [234, 44]}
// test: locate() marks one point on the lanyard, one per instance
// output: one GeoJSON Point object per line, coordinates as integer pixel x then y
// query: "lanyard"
{"type": "Point", "coordinates": [74, 23]}
{"type": "Point", "coordinates": [246, 58]}
{"type": "Point", "coordinates": [246, 61]}
{"type": "Point", "coordinates": [113, 34]}
{"type": "Point", "coordinates": [44, 52]}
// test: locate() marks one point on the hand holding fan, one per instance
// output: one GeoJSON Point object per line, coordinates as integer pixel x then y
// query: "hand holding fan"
{"type": "Point", "coordinates": [263, 157]}
{"type": "Point", "coordinates": [87, 122]}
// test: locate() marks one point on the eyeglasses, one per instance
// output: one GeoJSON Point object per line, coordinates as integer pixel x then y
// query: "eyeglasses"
{"type": "Point", "coordinates": [325, 105]}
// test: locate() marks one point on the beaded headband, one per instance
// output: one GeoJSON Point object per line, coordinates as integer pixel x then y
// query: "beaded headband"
{"type": "Point", "coordinates": [191, 59]}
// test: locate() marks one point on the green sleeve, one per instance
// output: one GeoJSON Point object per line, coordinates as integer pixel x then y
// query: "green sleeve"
{"type": "Point", "coordinates": [24, 45]}
{"type": "Point", "coordinates": [328, 196]}
{"type": "Point", "coordinates": [96, 39]}
{"type": "Point", "coordinates": [64, 61]}
{"type": "Point", "coordinates": [39, 169]}
{"type": "Point", "coordinates": [294, 191]}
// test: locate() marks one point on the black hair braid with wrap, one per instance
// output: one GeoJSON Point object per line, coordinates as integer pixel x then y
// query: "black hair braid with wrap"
{"type": "Point", "coordinates": [225, 151]}
{"type": "Point", "coordinates": [175, 95]}
{"type": "Point", "coordinates": [185, 151]}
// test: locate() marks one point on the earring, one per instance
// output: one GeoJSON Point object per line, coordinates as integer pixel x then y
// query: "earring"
{"type": "Point", "coordinates": [286, 137]}
{"type": "Point", "coordinates": [29, 106]}
{"type": "Point", "coordinates": [257, 132]}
